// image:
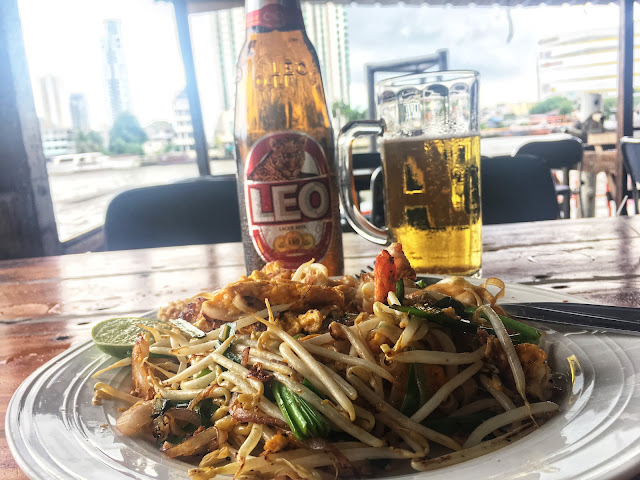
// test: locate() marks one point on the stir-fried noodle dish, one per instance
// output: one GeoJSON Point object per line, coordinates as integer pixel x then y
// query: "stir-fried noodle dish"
{"type": "Point", "coordinates": [291, 374]}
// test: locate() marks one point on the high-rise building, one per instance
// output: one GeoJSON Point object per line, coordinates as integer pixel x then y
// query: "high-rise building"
{"type": "Point", "coordinates": [573, 63]}
{"type": "Point", "coordinates": [79, 112]}
{"type": "Point", "coordinates": [326, 26]}
{"type": "Point", "coordinates": [53, 112]}
{"type": "Point", "coordinates": [56, 137]}
{"type": "Point", "coordinates": [228, 32]}
{"type": "Point", "coordinates": [115, 70]}
{"type": "Point", "coordinates": [183, 140]}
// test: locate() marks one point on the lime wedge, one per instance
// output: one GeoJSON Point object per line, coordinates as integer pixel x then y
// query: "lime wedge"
{"type": "Point", "coordinates": [116, 336]}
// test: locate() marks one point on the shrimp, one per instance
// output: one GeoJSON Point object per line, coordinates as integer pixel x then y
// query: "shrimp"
{"type": "Point", "coordinates": [138, 418]}
{"type": "Point", "coordinates": [390, 266]}
{"type": "Point", "coordinates": [534, 364]}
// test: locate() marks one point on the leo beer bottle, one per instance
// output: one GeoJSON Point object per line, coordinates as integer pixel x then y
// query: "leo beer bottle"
{"type": "Point", "coordinates": [287, 184]}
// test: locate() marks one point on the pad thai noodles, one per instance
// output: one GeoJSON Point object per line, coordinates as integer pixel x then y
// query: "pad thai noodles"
{"type": "Point", "coordinates": [291, 374]}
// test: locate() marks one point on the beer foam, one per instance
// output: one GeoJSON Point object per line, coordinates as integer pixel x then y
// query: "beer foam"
{"type": "Point", "coordinates": [426, 138]}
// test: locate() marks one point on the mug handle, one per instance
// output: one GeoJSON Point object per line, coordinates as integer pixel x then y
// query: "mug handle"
{"type": "Point", "coordinates": [345, 168]}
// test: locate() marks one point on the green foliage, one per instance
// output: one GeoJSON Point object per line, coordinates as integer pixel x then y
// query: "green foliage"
{"type": "Point", "coordinates": [562, 104]}
{"type": "Point", "coordinates": [609, 105]}
{"type": "Point", "coordinates": [349, 114]}
{"type": "Point", "coordinates": [90, 141]}
{"type": "Point", "coordinates": [126, 135]}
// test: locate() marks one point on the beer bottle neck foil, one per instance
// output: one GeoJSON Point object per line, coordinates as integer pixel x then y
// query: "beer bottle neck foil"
{"type": "Point", "coordinates": [268, 15]}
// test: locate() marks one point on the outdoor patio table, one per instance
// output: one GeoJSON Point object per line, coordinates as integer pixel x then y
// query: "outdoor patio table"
{"type": "Point", "coordinates": [48, 304]}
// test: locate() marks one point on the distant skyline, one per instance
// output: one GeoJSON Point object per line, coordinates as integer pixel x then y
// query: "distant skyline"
{"type": "Point", "coordinates": [115, 70]}
{"type": "Point", "coordinates": [53, 103]}
{"type": "Point", "coordinates": [79, 112]}
{"type": "Point", "coordinates": [63, 39]}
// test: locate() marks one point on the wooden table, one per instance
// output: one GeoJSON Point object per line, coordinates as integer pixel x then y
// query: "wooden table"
{"type": "Point", "coordinates": [47, 304]}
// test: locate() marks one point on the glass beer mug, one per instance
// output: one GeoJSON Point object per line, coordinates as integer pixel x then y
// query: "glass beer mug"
{"type": "Point", "coordinates": [429, 139]}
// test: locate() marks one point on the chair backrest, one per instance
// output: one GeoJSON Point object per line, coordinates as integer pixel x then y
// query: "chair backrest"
{"type": "Point", "coordinates": [631, 156]}
{"type": "Point", "coordinates": [190, 212]}
{"type": "Point", "coordinates": [556, 154]}
{"type": "Point", "coordinates": [377, 197]}
{"type": "Point", "coordinates": [630, 148]}
{"type": "Point", "coordinates": [516, 189]}
{"type": "Point", "coordinates": [366, 160]}
{"type": "Point", "coordinates": [365, 163]}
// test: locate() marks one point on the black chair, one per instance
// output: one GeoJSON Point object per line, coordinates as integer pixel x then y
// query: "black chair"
{"type": "Point", "coordinates": [631, 159]}
{"type": "Point", "coordinates": [517, 188]}
{"type": "Point", "coordinates": [514, 189]}
{"type": "Point", "coordinates": [190, 212]}
{"type": "Point", "coordinates": [363, 166]}
{"type": "Point", "coordinates": [564, 154]}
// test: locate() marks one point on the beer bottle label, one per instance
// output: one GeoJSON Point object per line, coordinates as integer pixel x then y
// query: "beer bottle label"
{"type": "Point", "coordinates": [288, 203]}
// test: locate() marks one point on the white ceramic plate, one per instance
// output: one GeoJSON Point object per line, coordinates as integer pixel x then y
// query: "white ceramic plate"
{"type": "Point", "coordinates": [54, 431]}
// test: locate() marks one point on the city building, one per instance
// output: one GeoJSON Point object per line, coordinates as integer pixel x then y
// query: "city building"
{"type": "Point", "coordinates": [326, 25]}
{"type": "Point", "coordinates": [228, 33]}
{"type": "Point", "coordinates": [52, 112]}
{"type": "Point", "coordinates": [571, 64]}
{"type": "Point", "coordinates": [183, 139]}
{"type": "Point", "coordinates": [79, 112]}
{"type": "Point", "coordinates": [115, 70]}
{"type": "Point", "coordinates": [57, 141]}
{"type": "Point", "coordinates": [160, 138]}
{"type": "Point", "coordinates": [57, 138]}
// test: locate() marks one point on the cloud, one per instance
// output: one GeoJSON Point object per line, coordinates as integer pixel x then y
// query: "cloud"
{"type": "Point", "coordinates": [476, 38]}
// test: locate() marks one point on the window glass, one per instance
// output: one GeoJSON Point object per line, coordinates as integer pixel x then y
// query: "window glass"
{"type": "Point", "coordinates": [108, 81]}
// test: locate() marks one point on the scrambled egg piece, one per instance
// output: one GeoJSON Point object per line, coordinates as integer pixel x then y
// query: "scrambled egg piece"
{"type": "Point", "coordinates": [310, 304]}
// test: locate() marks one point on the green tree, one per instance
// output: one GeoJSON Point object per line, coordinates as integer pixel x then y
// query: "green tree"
{"type": "Point", "coordinates": [90, 141]}
{"type": "Point", "coordinates": [126, 135]}
{"type": "Point", "coordinates": [609, 105]}
{"type": "Point", "coordinates": [562, 104]}
{"type": "Point", "coordinates": [349, 114]}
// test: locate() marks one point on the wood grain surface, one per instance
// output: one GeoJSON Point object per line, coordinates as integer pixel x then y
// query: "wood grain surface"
{"type": "Point", "coordinates": [48, 304]}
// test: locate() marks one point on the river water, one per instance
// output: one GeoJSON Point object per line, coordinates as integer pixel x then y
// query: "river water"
{"type": "Point", "coordinates": [80, 199]}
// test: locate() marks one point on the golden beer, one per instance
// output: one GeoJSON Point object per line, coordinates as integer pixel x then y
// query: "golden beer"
{"type": "Point", "coordinates": [432, 199]}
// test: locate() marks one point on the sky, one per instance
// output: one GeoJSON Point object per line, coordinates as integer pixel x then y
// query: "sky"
{"type": "Point", "coordinates": [63, 38]}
